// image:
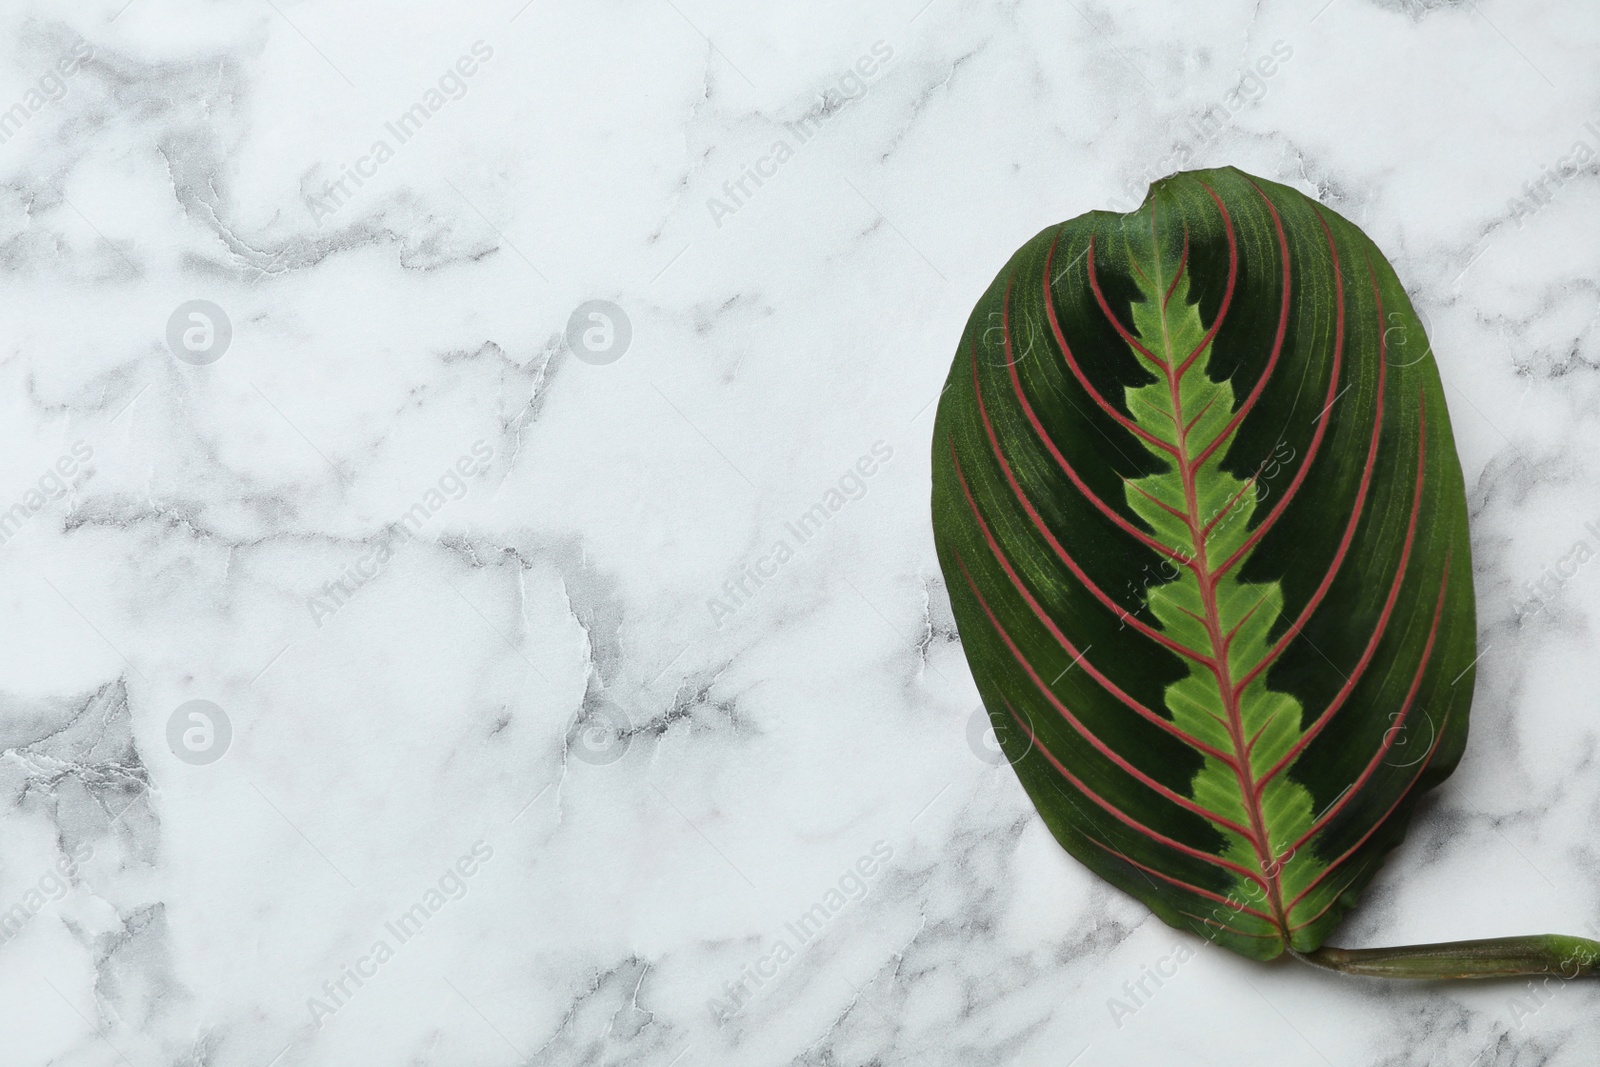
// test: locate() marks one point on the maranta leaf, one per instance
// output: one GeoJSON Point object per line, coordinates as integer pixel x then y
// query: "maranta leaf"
{"type": "Point", "coordinates": [1204, 531]}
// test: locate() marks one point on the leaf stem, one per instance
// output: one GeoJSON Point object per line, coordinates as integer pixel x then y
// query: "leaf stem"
{"type": "Point", "coordinates": [1494, 957]}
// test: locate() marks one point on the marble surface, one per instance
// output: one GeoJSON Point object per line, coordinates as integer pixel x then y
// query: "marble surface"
{"type": "Point", "coordinates": [401, 666]}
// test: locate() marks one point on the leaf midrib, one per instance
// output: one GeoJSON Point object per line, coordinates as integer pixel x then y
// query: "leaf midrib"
{"type": "Point", "coordinates": [1199, 560]}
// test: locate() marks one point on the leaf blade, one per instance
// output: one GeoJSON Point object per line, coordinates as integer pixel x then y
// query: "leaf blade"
{"type": "Point", "coordinates": [1129, 598]}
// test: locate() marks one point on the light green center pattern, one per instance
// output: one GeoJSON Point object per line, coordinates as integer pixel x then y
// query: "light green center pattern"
{"type": "Point", "coordinates": [1220, 619]}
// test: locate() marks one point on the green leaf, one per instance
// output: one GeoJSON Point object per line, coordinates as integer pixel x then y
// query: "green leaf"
{"type": "Point", "coordinates": [1204, 530]}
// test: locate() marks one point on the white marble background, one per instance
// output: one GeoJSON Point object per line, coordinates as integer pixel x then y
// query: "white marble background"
{"type": "Point", "coordinates": [656, 786]}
